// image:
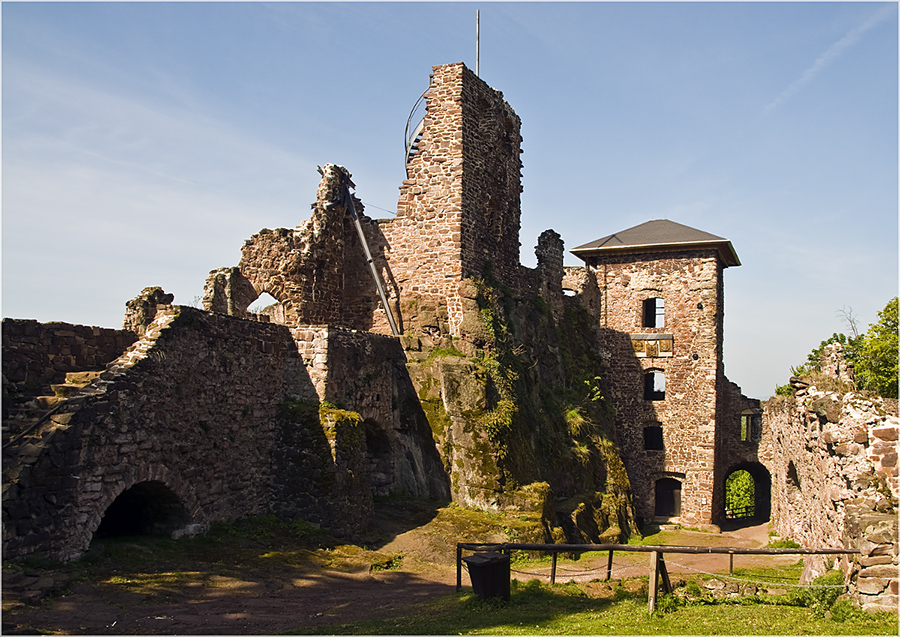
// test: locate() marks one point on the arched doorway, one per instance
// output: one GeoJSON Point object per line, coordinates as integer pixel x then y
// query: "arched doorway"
{"type": "Point", "coordinates": [147, 508]}
{"type": "Point", "coordinates": [748, 493]}
{"type": "Point", "coordinates": [668, 498]}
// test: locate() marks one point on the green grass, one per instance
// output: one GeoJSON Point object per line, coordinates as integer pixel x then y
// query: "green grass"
{"type": "Point", "coordinates": [538, 609]}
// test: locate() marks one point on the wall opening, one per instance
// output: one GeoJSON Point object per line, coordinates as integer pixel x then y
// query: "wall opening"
{"type": "Point", "coordinates": [654, 385]}
{"type": "Point", "coordinates": [654, 313]}
{"type": "Point", "coordinates": [379, 460]}
{"type": "Point", "coordinates": [748, 493]}
{"type": "Point", "coordinates": [751, 426]}
{"type": "Point", "coordinates": [668, 498]}
{"type": "Point", "coordinates": [147, 508]}
{"type": "Point", "coordinates": [653, 436]}
{"type": "Point", "coordinates": [268, 305]}
{"type": "Point", "coordinates": [792, 483]}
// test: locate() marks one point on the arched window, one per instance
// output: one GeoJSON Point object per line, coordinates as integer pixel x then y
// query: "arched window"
{"type": "Point", "coordinates": [268, 305]}
{"type": "Point", "coordinates": [654, 385]}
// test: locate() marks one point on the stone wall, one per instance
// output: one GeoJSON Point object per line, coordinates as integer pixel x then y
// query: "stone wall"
{"type": "Point", "coordinates": [458, 209]}
{"type": "Point", "coordinates": [686, 350]}
{"type": "Point", "coordinates": [834, 471]}
{"type": "Point", "coordinates": [873, 573]}
{"type": "Point", "coordinates": [196, 410]}
{"type": "Point", "coordinates": [38, 354]}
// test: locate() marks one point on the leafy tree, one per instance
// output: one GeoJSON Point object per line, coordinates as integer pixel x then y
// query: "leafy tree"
{"type": "Point", "coordinates": [813, 359]}
{"type": "Point", "coordinates": [876, 361]}
{"type": "Point", "coordinates": [739, 489]}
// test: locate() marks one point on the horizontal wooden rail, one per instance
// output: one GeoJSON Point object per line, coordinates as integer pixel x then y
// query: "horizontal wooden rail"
{"type": "Point", "coordinates": [639, 548]}
{"type": "Point", "coordinates": [657, 562]}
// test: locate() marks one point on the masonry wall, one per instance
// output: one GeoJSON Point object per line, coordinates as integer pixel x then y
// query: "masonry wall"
{"type": "Point", "coordinates": [690, 284]}
{"type": "Point", "coordinates": [38, 354]}
{"type": "Point", "coordinates": [195, 407]}
{"type": "Point", "coordinates": [835, 471]}
{"type": "Point", "coordinates": [458, 209]}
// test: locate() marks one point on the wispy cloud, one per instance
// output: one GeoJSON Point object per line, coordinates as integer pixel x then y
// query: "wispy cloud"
{"type": "Point", "coordinates": [834, 51]}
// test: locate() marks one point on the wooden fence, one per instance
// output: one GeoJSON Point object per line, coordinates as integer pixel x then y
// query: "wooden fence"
{"type": "Point", "coordinates": [658, 572]}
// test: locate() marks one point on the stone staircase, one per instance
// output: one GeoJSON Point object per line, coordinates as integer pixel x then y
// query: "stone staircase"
{"type": "Point", "coordinates": [23, 412]}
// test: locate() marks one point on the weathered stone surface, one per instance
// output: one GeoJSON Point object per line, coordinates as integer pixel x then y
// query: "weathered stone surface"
{"type": "Point", "coordinates": [141, 310]}
{"type": "Point", "coordinates": [879, 571]}
{"type": "Point", "coordinates": [872, 585]}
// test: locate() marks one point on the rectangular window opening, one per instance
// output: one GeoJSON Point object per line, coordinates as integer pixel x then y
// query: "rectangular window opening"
{"type": "Point", "coordinates": [654, 312]}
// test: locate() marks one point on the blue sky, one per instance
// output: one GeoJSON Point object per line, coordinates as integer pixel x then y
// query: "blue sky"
{"type": "Point", "coordinates": [142, 143]}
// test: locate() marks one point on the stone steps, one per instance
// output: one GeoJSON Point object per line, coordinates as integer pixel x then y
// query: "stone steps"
{"type": "Point", "coordinates": [24, 414]}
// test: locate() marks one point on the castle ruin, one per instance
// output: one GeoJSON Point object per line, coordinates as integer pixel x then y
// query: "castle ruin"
{"type": "Point", "coordinates": [593, 397]}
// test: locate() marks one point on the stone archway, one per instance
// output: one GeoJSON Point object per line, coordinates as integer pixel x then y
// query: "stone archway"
{"type": "Point", "coordinates": [761, 509]}
{"type": "Point", "coordinates": [147, 508]}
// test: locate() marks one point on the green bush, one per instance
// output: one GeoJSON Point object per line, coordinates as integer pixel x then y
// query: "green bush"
{"type": "Point", "coordinates": [821, 595]}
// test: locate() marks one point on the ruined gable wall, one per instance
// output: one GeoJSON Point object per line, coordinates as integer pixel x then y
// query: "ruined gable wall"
{"type": "Point", "coordinates": [303, 268]}
{"type": "Point", "coordinates": [688, 413]}
{"type": "Point", "coordinates": [835, 462]}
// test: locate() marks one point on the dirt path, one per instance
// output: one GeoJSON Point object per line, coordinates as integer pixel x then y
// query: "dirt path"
{"type": "Point", "coordinates": [217, 604]}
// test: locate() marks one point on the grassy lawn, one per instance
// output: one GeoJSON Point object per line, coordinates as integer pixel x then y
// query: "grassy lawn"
{"type": "Point", "coordinates": [539, 609]}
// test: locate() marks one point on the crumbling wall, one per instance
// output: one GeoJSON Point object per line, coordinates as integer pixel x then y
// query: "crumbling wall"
{"type": "Point", "coordinates": [141, 310]}
{"type": "Point", "coordinates": [367, 373]}
{"type": "Point", "coordinates": [873, 573]}
{"type": "Point", "coordinates": [835, 467]}
{"type": "Point", "coordinates": [197, 405]}
{"type": "Point", "coordinates": [38, 354]}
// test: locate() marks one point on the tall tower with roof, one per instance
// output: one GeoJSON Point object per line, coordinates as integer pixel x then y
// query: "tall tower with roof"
{"type": "Point", "coordinates": [661, 315]}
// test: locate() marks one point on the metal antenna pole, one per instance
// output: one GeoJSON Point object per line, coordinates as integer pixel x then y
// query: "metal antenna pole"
{"type": "Point", "coordinates": [365, 245]}
{"type": "Point", "coordinates": [477, 39]}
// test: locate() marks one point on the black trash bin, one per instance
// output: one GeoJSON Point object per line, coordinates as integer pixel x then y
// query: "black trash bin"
{"type": "Point", "coordinates": [489, 573]}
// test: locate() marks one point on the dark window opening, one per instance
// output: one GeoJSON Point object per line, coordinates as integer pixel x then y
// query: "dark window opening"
{"type": "Point", "coordinates": [668, 498]}
{"type": "Point", "coordinates": [379, 459]}
{"type": "Point", "coordinates": [147, 508]}
{"type": "Point", "coordinates": [792, 485]}
{"type": "Point", "coordinates": [751, 426]}
{"type": "Point", "coordinates": [654, 312]}
{"type": "Point", "coordinates": [654, 386]}
{"type": "Point", "coordinates": [653, 437]}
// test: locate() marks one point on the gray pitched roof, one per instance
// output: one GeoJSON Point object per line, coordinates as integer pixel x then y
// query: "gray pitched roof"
{"type": "Point", "coordinates": [657, 235]}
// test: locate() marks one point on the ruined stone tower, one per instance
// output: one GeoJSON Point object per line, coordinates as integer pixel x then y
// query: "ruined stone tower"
{"type": "Point", "coordinates": [458, 212]}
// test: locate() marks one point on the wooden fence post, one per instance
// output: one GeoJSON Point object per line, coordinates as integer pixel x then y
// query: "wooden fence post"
{"type": "Point", "coordinates": [609, 566]}
{"type": "Point", "coordinates": [458, 568]}
{"type": "Point", "coordinates": [553, 569]}
{"type": "Point", "coordinates": [653, 588]}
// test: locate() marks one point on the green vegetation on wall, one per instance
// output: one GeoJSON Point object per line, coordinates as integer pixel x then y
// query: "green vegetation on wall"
{"type": "Point", "coordinates": [874, 354]}
{"type": "Point", "coordinates": [536, 392]}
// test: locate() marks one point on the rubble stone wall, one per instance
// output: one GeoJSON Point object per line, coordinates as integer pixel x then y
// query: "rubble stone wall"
{"type": "Point", "coordinates": [873, 573]}
{"type": "Point", "coordinates": [834, 466]}
{"type": "Point", "coordinates": [196, 406]}
{"type": "Point", "coordinates": [38, 354]}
